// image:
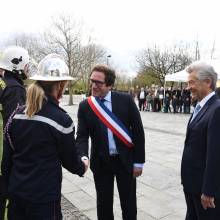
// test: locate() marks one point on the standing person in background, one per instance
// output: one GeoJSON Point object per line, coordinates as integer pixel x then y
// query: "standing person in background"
{"type": "Point", "coordinates": [179, 100]}
{"type": "Point", "coordinates": [113, 122]}
{"type": "Point", "coordinates": [149, 101]}
{"type": "Point", "coordinates": [174, 103]}
{"type": "Point", "coordinates": [200, 161]}
{"type": "Point", "coordinates": [14, 68]}
{"type": "Point", "coordinates": [161, 97]}
{"type": "Point", "coordinates": [132, 92]}
{"type": "Point", "coordinates": [141, 99]}
{"type": "Point", "coordinates": [167, 100]}
{"type": "Point", "coordinates": [39, 139]}
{"type": "Point", "coordinates": [186, 101]}
{"type": "Point", "coordinates": [156, 101]}
{"type": "Point", "coordinates": [180, 104]}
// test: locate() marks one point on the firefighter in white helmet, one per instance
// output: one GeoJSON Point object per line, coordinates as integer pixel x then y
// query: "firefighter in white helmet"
{"type": "Point", "coordinates": [41, 138]}
{"type": "Point", "coordinates": [14, 65]}
{"type": "Point", "coordinates": [14, 68]}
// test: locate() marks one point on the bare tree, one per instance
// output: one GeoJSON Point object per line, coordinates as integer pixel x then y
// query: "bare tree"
{"type": "Point", "coordinates": [65, 38]}
{"type": "Point", "coordinates": [161, 62]}
{"type": "Point", "coordinates": [123, 82]}
{"type": "Point", "coordinates": [92, 54]}
{"type": "Point", "coordinates": [213, 49]}
{"type": "Point", "coordinates": [68, 38]}
{"type": "Point", "coordinates": [197, 51]}
{"type": "Point", "coordinates": [34, 43]}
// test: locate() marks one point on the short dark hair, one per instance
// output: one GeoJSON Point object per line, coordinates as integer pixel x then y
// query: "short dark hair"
{"type": "Point", "coordinates": [108, 72]}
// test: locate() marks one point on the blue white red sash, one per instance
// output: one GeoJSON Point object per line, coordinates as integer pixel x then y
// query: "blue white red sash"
{"type": "Point", "coordinates": [110, 120]}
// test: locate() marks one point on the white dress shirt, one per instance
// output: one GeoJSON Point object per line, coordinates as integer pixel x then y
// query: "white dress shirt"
{"type": "Point", "coordinates": [111, 141]}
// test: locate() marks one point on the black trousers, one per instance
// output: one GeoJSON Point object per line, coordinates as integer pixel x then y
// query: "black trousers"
{"type": "Point", "coordinates": [20, 209]}
{"type": "Point", "coordinates": [2, 198]}
{"type": "Point", "coordinates": [141, 103]}
{"type": "Point", "coordinates": [2, 207]}
{"type": "Point", "coordinates": [195, 210]}
{"type": "Point", "coordinates": [104, 183]}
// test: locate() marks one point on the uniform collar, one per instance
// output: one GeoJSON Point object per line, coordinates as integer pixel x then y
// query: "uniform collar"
{"type": "Point", "coordinates": [52, 99]}
{"type": "Point", "coordinates": [9, 75]}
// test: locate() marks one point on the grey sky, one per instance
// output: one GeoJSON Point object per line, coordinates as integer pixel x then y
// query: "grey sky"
{"type": "Point", "coordinates": [123, 26]}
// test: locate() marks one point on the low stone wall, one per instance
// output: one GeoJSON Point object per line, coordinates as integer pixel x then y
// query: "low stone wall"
{"type": "Point", "coordinates": [76, 99]}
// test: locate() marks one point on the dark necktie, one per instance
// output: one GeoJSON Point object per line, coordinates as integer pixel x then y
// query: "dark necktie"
{"type": "Point", "coordinates": [102, 100]}
{"type": "Point", "coordinates": [196, 111]}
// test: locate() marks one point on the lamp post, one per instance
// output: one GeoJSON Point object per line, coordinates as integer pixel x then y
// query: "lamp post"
{"type": "Point", "coordinates": [108, 58]}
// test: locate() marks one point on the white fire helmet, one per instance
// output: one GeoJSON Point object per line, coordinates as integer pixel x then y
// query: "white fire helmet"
{"type": "Point", "coordinates": [14, 58]}
{"type": "Point", "coordinates": [52, 68]}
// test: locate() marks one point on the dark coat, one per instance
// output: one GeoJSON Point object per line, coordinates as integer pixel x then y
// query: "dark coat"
{"type": "Point", "coordinates": [125, 109]}
{"type": "Point", "coordinates": [145, 95]}
{"type": "Point", "coordinates": [200, 161]}
{"type": "Point", "coordinates": [39, 146]}
{"type": "Point", "coordinates": [12, 93]}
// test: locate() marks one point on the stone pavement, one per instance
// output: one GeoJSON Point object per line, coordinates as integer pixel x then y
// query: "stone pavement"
{"type": "Point", "coordinates": [70, 212]}
{"type": "Point", "coordinates": [159, 192]}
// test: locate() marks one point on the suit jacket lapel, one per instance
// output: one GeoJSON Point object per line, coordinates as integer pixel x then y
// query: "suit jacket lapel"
{"type": "Point", "coordinates": [202, 111]}
{"type": "Point", "coordinates": [199, 115]}
{"type": "Point", "coordinates": [190, 120]}
{"type": "Point", "coordinates": [114, 101]}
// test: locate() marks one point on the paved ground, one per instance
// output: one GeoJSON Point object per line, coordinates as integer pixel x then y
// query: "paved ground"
{"type": "Point", "coordinates": [159, 192]}
{"type": "Point", "coordinates": [70, 212]}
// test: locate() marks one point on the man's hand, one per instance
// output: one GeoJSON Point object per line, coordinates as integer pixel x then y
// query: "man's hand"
{"type": "Point", "coordinates": [207, 202]}
{"type": "Point", "coordinates": [85, 160]}
{"type": "Point", "coordinates": [137, 171]}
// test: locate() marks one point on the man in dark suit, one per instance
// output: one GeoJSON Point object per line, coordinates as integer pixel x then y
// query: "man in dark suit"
{"type": "Point", "coordinates": [201, 156]}
{"type": "Point", "coordinates": [110, 156]}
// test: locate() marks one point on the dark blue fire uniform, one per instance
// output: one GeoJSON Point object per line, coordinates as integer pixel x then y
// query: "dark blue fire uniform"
{"type": "Point", "coordinates": [12, 93]}
{"type": "Point", "coordinates": [36, 149]}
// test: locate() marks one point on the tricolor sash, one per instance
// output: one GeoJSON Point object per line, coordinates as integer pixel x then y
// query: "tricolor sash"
{"type": "Point", "coordinates": [110, 120]}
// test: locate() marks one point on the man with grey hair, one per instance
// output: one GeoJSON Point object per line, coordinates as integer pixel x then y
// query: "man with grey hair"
{"type": "Point", "coordinates": [201, 155]}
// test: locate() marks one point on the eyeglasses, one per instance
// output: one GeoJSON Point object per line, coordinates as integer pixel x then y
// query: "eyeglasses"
{"type": "Point", "coordinates": [97, 82]}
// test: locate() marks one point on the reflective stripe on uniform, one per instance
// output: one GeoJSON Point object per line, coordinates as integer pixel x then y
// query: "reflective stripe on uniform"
{"type": "Point", "coordinates": [47, 121]}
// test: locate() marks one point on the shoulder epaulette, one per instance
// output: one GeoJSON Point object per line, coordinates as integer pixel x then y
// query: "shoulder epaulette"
{"type": "Point", "coordinates": [2, 84]}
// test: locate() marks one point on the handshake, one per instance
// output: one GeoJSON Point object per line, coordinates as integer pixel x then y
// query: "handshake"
{"type": "Point", "coordinates": [85, 161]}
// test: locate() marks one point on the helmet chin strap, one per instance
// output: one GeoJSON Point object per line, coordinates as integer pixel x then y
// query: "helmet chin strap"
{"type": "Point", "coordinates": [20, 75]}
{"type": "Point", "coordinates": [62, 87]}
{"type": "Point", "coordinates": [58, 91]}
{"type": "Point", "coordinates": [23, 75]}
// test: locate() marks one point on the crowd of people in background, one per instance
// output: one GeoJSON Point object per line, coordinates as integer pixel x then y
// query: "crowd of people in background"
{"type": "Point", "coordinates": [158, 99]}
